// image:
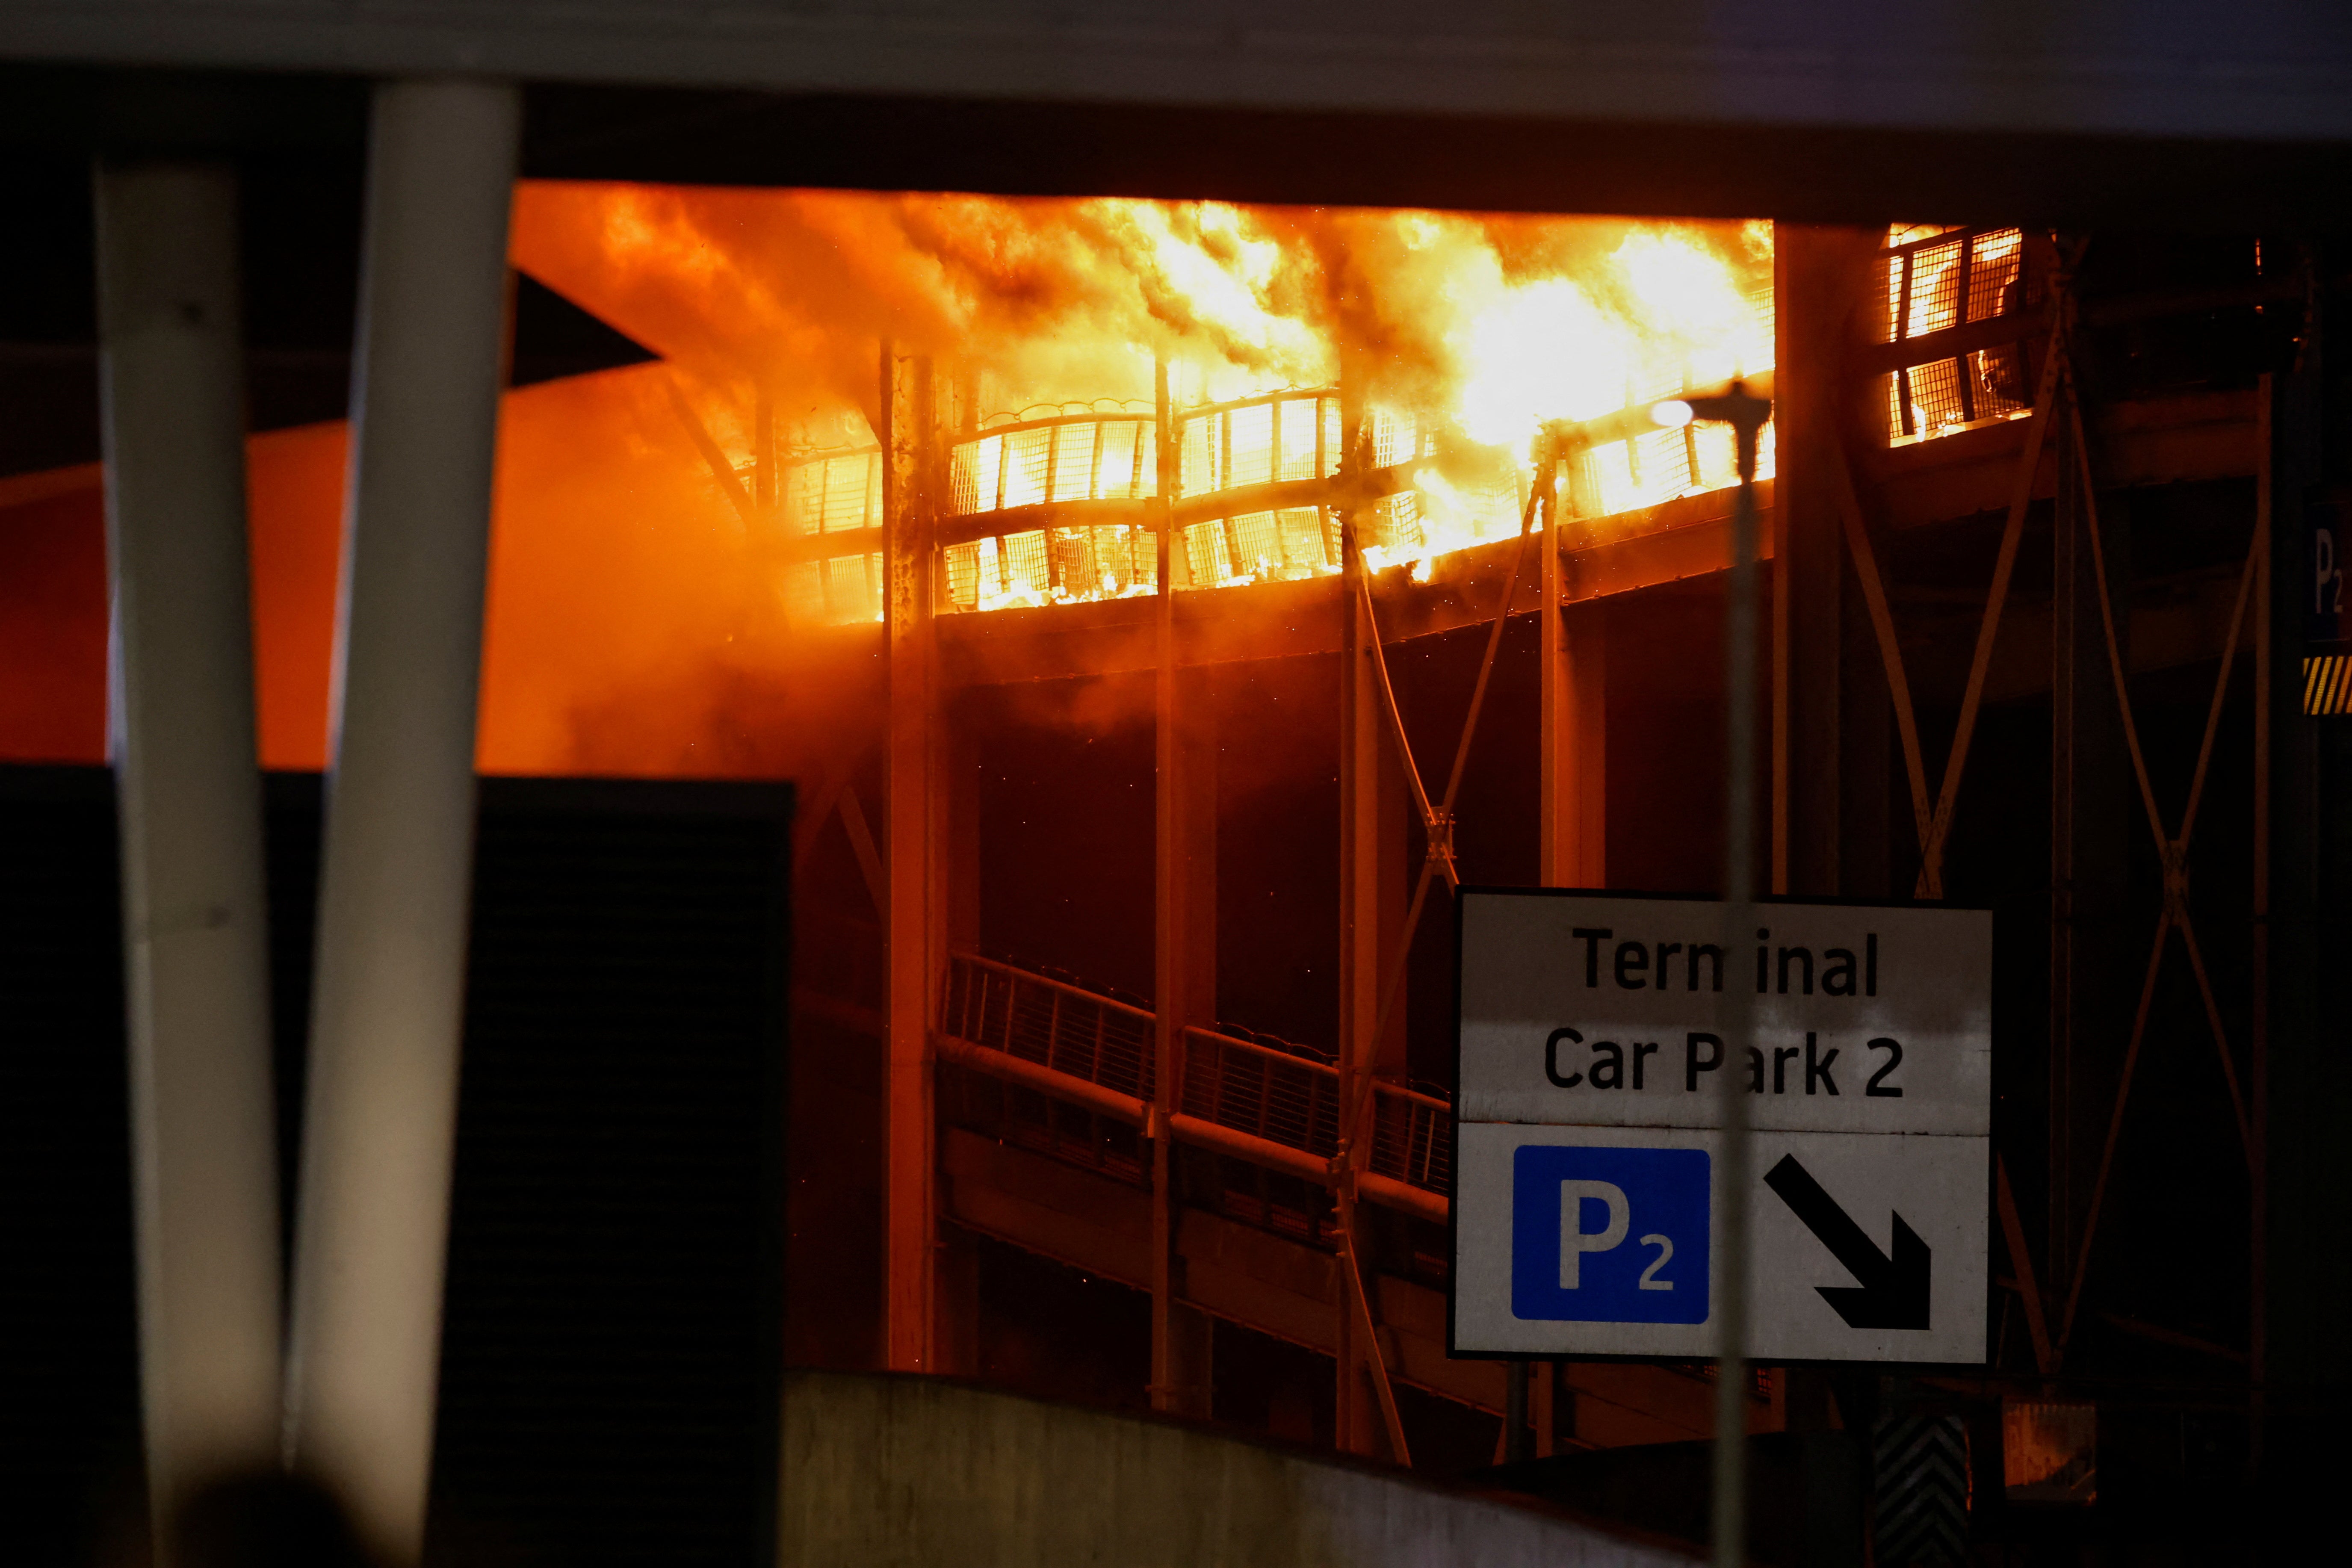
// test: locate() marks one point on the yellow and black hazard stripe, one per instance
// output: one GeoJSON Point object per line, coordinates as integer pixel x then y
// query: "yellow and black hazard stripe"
{"type": "Point", "coordinates": [2327, 683]}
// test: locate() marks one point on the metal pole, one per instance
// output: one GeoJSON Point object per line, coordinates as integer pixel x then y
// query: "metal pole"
{"type": "Point", "coordinates": [195, 930]}
{"type": "Point", "coordinates": [1573, 770]}
{"type": "Point", "coordinates": [1169, 1004]}
{"type": "Point", "coordinates": [1516, 1448]}
{"type": "Point", "coordinates": [914, 867]}
{"type": "Point", "coordinates": [2258, 1087]}
{"type": "Point", "coordinates": [1737, 1006]}
{"type": "Point", "coordinates": [395, 883]}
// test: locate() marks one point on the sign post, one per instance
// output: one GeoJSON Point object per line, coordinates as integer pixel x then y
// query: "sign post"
{"type": "Point", "coordinates": [1589, 1111]}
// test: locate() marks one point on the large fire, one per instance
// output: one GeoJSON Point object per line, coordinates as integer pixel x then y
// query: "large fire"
{"type": "Point", "coordinates": [1441, 342]}
{"type": "Point", "coordinates": [666, 535]}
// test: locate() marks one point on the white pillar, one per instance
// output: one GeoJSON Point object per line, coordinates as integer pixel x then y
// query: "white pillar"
{"type": "Point", "coordinates": [380, 1115]}
{"type": "Point", "coordinates": [196, 927]}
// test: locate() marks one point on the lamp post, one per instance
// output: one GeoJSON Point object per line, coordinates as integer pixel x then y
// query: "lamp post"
{"type": "Point", "coordinates": [1746, 413]}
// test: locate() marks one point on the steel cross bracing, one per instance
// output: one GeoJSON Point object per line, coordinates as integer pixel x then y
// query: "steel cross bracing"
{"type": "Point", "coordinates": [2172, 850]}
{"type": "Point", "coordinates": [1437, 825]}
{"type": "Point", "coordinates": [2058, 385]}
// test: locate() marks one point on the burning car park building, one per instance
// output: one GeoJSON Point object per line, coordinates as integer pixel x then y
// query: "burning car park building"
{"type": "Point", "coordinates": [926, 897]}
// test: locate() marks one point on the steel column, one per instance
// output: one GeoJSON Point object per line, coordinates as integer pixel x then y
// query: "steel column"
{"type": "Point", "coordinates": [2070, 653]}
{"type": "Point", "coordinates": [1184, 947]}
{"type": "Point", "coordinates": [1735, 1007]}
{"type": "Point", "coordinates": [914, 918]}
{"type": "Point", "coordinates": [2258, 1030]}
{"type": "Point", "coordinates": [1360, 948]}
{"type": "Point", "coordinates": [1574, 730]}
{"type": "Point", "coordinates": [395, 882]}
{"type": "Point", "coordinates": [1819, 279]}
{"type": "Point", "coordinates": [195, 930]}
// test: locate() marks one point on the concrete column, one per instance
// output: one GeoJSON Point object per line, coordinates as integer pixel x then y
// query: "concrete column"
{"type": "Point", "coordinates": [396, 877]}
{"type": "Point", "coordinates": [196, 928]}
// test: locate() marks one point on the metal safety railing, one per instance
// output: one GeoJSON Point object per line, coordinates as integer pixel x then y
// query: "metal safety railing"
{"type": "Point", "coordinates": [1242, 1098]}
{"type": "Point", "coordinates": [1294, 1101]}
{"type": "Point", "coordinates": [1068, 1031]}
{"type": "Point", "coordinates": [1276, 1094]}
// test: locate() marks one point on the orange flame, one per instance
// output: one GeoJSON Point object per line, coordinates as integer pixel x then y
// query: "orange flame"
{"type": "Point", "coordinates": [1454, 333]}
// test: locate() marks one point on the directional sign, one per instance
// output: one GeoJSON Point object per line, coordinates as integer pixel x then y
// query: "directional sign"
{"type": "Point", "coordinates": [1589, 1102]}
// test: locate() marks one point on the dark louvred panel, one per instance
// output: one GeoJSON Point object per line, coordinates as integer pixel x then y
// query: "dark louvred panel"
{"type": "Point", "coordinates": [71, 1478]}
{"type": "Point", "coordinates": [610, 1355]}
{"type": "Point", "coordinates": [609, 1383]}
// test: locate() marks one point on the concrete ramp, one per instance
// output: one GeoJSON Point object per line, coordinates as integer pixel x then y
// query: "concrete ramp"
{"type": "Point", "coordinates": [885, 1471]}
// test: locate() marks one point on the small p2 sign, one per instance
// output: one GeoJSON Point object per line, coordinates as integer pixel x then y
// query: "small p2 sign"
{"type": "Point", "coordinates": [1608, 1234]}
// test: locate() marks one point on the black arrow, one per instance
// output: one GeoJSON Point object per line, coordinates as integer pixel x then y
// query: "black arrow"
{"type": "Point", "coordinates": [1893, 1290]}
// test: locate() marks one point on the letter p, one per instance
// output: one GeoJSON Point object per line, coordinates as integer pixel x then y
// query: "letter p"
{"type": "Point", "coordinates": [1575, 1241]}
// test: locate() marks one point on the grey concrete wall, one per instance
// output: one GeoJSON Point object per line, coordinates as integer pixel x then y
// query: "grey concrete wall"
{"type": "Point", "coordinates": [908, 1472]}
{"type": "Point", "coordinates": [2268, 68]}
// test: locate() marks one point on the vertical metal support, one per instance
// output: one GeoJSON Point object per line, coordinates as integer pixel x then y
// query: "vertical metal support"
{"type": "Point", "coordinates": [763, 451]}
{"type": "Point", "coordinates": [1360, 946]}
{"type": "Point", "coordinates": [1573, 774]}
{"type": "Point", "coordinates": [914, 935]}
{"type": "Point", "coordinates": [394, 889]}
{"type": "Point", "coordinates": [1168, 935]}
{"type": "Point", "coordinates": [1184, 947]}
{"type": "Point", "coordinates": [1516, 1448]}
{"type": "Point", "coordinates": [2258, 1046]}
{"type": "Point", "coordinates": [1819, 281]}
{"type": "Point", "coordinates": [2072, 657]}
{"type": "Point", "coordinates": [195, 930]}
{"type": "Point", "coordinates": [1543, 1404]}
{"type": "Point", "coordinates": [1736, 1006]}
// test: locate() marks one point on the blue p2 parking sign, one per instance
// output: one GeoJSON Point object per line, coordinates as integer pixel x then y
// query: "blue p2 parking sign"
{"type": "Point", "coordinates": [1608, 1234]}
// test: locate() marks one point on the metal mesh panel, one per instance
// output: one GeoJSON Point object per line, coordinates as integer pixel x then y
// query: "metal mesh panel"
{"type": "Point", "coordinates": [1934, 396]}
{"type": "Point", "coordinates": [851, 586]}
{"type": "Point", "coordinates": [961, 565]}
{"type": "Point", "coordinates": [1127, 463]}
{"type": "Point", "coordinates": [1249, 435]}
{"type": "Point", "coordinates": [1307, 545]}
{"type": "Point", "coordinates": [1396, 438]}
{"type": "Point", "coordinates": [1930, 292]}
{"type": "Point", "coordinates": [972, 469]}
{"type": "Point", "coordinates": [1952, 279]}
{"type": "Point", "coordinates": [1206, 553]}
{"type": "Point", "coordinates": [830, 494]}
{"type": "Point", "coordinates": [1256, 542]}
{"type": "Point", "coordinates": [1299, 432]}
{"type": "Point", "coordinates": [803, 591]}
{"type": "Point", "coordinates": [1112, 459]}
{"type": "Point", "coordinates": [1026, 454]}
{"type": "Point", "coordinates": [1197, 447]}
{"type": "Point", "coordinates": [1258, 442]}
{"type": "Point", "coordinates": [1023, 560]}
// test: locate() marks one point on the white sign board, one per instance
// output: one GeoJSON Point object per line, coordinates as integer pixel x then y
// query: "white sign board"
{"type": "Point", "coordinates": [1590, 1095]}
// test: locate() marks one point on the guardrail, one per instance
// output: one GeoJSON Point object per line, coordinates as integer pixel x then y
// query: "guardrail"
{"type": "Point", "coordinates": [1070, 1032]}
{"type": "Point", "coordinates": [1240, 1098]}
